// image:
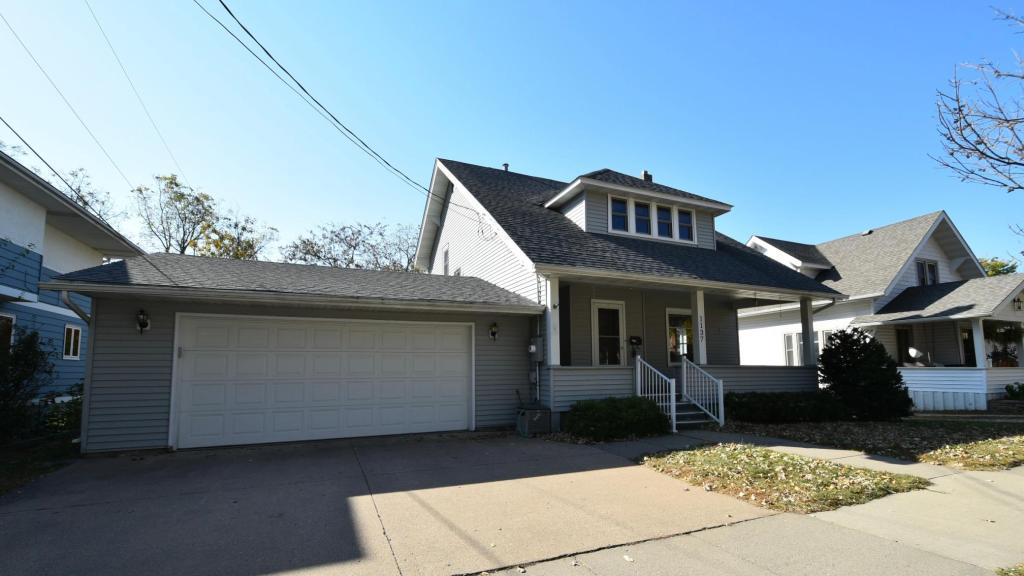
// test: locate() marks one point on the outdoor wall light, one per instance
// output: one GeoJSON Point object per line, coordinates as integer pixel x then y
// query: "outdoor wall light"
{"type": "Point", "coordinates": [494, 331]}
{"type": "Point", "coordinates": [142, 321]}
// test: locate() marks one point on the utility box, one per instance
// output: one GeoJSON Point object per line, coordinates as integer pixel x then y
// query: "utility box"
{"type": "Point", "coordinates": [533, 420]}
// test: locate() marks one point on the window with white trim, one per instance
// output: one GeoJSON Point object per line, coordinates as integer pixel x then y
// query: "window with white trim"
{"type": "Point", "coordinates": [686, 225]}
{"type": "Point", "coordinates": [665, 222]}
{"type": "Point", "coordinates": [927, 272]}
{"type": "Point", "coordinates": [6, 330]}
{"type": "Point", "coordinates": [642, 217]}
{"type": "Point", "coordinates": [619, 215]}
{"type": "Point", "coordinates": [823, 339]}
{"type": "Point", "coordinates": [792, 347]}
{"type": "Point", "coordinates": [72, 342]}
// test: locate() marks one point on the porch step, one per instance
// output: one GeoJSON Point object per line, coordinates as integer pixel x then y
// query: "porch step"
{"type": "Point", "coordinates": [688, 415]}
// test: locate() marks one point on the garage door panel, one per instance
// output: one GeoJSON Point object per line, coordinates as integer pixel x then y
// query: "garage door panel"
{"type": "Point", "coordinates": [270, 380]}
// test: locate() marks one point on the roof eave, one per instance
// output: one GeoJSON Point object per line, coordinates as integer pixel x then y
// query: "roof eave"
{"type": "Point", "coordinates": [580, 183]}
{"type": "Point", "coordinates": [287, 298]}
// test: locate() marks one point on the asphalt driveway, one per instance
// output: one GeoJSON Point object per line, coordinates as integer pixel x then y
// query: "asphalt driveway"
{"type": "Point", "coordinates": [413, 505]}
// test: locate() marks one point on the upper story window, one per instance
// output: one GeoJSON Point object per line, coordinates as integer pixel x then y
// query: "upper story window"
{"type": "Point", "coordinates": [72, 342]}
{"type": "Point", "coordinates": [642, 215]}
{"type": "Point", "coordinates": [620, 215]}
{"type": "Point", "coordinates": [629, 216]}
{"type": "Point", "coordinates": [686, 225]}
{"type": "Point", "coordinates": [927, 272]}
{"type": "Point", "coordinates": [664, 222]}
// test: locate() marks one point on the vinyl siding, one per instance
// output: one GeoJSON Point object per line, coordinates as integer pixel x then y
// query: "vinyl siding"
{"type": "Point", "coordinates": [130, 383]}
{"type": "Point", "coordinates": [930, 250]}
{"type": "Point", "coordinates": [761, 336]}
{"type": "Point", "coordinates": [597, 219]}
{"type": "Point", "coordinates": [478, 250]}
{"type": "Point", "coordinates": [50, 326]}
{"type": "Point", "coordinates": [765, 378]}
{"type": "Point", "coordinates": [576, 210]}
{"type": "Point", "coordinates": [572, 384]}
{"type": "Point", "coordinates": [19, 266]}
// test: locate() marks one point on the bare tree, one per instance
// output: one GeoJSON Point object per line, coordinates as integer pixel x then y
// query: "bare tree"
{"type": "Point", "coordinates": [235, 236]}
{"type": "Point", "coordinates": [981, 120]}
{"type": "Point", "coordinates": [370, 246]}
{"type": "Point", "coordinates": [174, 214]}
{"type": "Point", "coordinates": [96, 201]}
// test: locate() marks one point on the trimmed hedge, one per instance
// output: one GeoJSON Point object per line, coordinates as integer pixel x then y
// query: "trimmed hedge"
{"type": "Point", "coordinates": [768, 407]}
{"type": "Point", "coordinates": [616, 418]}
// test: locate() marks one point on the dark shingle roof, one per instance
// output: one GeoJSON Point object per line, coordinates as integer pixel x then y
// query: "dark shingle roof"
{"type": "Point", "coordinates": [805, 253]}
{"type": "Point", "coordinates": [196, 272]}
{"type": "Point", "coordinates": [973, 298]}
{"type": "Point", "coordinates": [548, 237]}
{"type": "Point", "coordinates": [867, 263]}
{"type": "Point", "coordinates": [618, 178]}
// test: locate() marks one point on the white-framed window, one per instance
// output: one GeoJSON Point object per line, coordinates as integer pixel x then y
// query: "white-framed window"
{"type": "Point", "coordinates": [650, 219]}
{"type": "Point", "coordinates": [927, 272]}
{"type": "Point", "coordinates": [7, 329]}
{"type": "Point", "coordinates": [823, 339]}
{"type": "Point", "coordinates": [72, 341]}
{"type": "Point", "coordinates": [618, 211]}
{"type": "Point", "coordinates": [792, 347]}
{"type": "Point", "coordinates": [608, 331]}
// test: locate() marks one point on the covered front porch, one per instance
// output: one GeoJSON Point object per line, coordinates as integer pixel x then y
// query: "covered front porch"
{"type": "Point", "coordinates": [673, 342]}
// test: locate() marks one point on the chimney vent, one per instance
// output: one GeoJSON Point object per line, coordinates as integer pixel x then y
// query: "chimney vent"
{"type": "Point", "coordinates": [505, 166]}
{"type": "Point", "coordinates": [647, 176]}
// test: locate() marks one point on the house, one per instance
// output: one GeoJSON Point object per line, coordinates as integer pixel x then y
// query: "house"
{"type": "Point", "coordinates": [917, 286]}
{"type": "Point", "coordinates": [43, 233]}
{"type": "Point", "coordinates": [532, 291]}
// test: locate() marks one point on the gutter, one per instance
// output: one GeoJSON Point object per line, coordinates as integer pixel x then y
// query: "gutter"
{"type": "Point", "coordinates": [66, 299]}
{"type": "Point", "coordinates": [284, 298]}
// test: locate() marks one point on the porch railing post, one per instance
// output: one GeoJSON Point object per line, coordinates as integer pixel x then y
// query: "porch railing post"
{"type": "Point", "coordinates": [721, 403]}
{"type": "Point", "coordinates": [672, 402]}
{"type": "Point", "coordinates": [636, 375]}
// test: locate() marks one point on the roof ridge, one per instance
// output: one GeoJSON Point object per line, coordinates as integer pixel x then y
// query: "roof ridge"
{"type": "Point", "coordinates": [502, 171]}
{"type": "Point", "coordinates": [934, 214]}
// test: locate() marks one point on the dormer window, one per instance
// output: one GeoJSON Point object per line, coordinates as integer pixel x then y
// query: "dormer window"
{"type": "Point", "coordinates": [685, 225]}
{"type": "Point", "coordinates": [642, 214]}
{"type": "Point", "coordinates": [636, 217]}
{"type": "Point", "coordinates": [620, 215]}
{"type": "Point", "coordinates": [927, 272]}
{"type": "Point", "coordinates": [664, 222]}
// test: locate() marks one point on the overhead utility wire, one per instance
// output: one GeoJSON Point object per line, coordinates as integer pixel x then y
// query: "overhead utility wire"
{"type": "Point", "coordinates": [66, 101]}
{"type": "Point", "coordinates": [138, 96]}
{"type": "Point", "coordinates": [325, 113]}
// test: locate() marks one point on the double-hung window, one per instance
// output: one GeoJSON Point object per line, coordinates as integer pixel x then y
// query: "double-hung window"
{"type": "Point", "coordinates": [664, 222]}
{"type": "Point", "coordinates": [793, 355]}
{"type": "Point", "coordinates": [72, 342]}
{"type": "Point", "coordinates": [642, 216]}
{"type": "Point", "coordinates": [685, 225]}
{"type": "Point", "coordinates": [620, 215]}
{"type": "Point", "coordinates": [927, 272]}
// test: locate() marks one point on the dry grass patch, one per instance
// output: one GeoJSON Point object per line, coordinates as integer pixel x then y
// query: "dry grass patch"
{"type": "Point", "coordinates": [779, 481]}
{"type": "Point", "coordinates": [1017, 570]}
{"type": "Point", "coordinates": [968, 445]}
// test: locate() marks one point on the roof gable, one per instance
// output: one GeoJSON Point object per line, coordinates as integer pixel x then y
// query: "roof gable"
{"type": "Point", "coordinates": [974, 298]}
{"type": "Point", "coordinates": [806, 254]}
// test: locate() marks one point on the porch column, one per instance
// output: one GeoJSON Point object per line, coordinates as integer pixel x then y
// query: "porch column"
{"type": "Point", "coordinates": [552, 338]}
{"type": "Point", "coordinates": [700, 344]}
{"type": "Point", "coordinates": [808, 351]}
{"type": "Point", "coordinates": [978, 331]}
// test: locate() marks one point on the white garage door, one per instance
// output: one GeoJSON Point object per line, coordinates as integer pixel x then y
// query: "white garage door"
{"type": "Point", "coordinates": [246, 380]}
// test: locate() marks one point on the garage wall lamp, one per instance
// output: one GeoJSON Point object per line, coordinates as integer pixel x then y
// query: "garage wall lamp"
{"type": "Point", "coordinates": [142, 321]}
{"type": "Point", "coordinates": [494, 331]}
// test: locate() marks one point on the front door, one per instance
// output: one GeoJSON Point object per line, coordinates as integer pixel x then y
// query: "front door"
{"type": "Point", "coordinates": [609, 329]}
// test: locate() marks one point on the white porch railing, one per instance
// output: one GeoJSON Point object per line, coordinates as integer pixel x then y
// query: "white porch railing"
{"type": "Point", "coordinates": [704, 390]}
{"type": "Point", "coordinates": [651, 383]}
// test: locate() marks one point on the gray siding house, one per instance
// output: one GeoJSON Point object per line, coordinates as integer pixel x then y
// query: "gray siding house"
{"type": "Point", "coordinates": [532, 291]}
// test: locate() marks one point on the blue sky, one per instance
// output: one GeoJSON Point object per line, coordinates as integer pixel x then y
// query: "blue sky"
{"type": "Point", "coordinates": [814, 120]}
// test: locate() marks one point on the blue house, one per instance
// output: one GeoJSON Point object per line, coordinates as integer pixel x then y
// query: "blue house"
{"type": "Point", "coordinates": [43, 234]}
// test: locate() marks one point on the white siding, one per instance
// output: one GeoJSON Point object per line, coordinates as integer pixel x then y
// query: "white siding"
{"type": "Point", "coordinates": [65, 254]}
{"type": "Point", "coordinates": [930, 250]}
{"type": "Point", "coordinates": [22, 221]}
{"type": "Point", "coordinates": [477, 249]}
{"type": "Point", "coordinates": [762, 336]}
{"type": "Point", "coordinates": [946, 388]}
{"type": "Point", "coordinates": [576, 210]}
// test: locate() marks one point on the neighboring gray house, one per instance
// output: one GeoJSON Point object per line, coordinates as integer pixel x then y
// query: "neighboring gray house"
{"type": "Point", "coordinates": [538, 291]}
{"type": "Point", "coordinates": [919, 289]}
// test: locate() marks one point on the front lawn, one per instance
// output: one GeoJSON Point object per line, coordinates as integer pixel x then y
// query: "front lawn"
{"type": "Point", "coordinates": [968, 445]}
{"type": "Point", "coordinates": [780, 481]}
{"type": "Point", "coordinates": [1017, 570]}
{"type": "Point", "coordinates": [21, 463]}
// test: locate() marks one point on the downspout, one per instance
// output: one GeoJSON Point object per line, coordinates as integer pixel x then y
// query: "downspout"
{"type": "Point", "coordinates": [66, 299]}
{"type": "Point", "coordinates": [825, 307]}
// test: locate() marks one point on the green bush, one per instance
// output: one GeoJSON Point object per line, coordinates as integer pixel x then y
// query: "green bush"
{"type": "Point", "coordinates": [615, 418]}
{"type": "Point", "coordinates": [858, 370]}
{"type": "Point", "coordinates": [25, 367]}
{"type": "Point", "coordinates": [1015, 391]}
{"type": "Point", "coordinates": [770, 407]}
{"type": "Point", "coordinates": [64, 416]}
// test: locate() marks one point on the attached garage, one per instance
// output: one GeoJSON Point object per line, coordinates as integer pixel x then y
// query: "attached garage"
{"type": "Point", "coordinates": [230, 367]}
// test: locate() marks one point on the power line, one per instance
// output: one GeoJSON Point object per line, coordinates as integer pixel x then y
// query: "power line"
{"type": "Point", "coordinates": [136, 92]}
{"type": "Point", "coordinates": [326, 114]}
{"type": "Point", "coordinates": [66, 101]}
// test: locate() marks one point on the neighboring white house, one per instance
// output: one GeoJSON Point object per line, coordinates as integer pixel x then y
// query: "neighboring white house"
{"type": "Point", "coordinates": [915, 285]}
